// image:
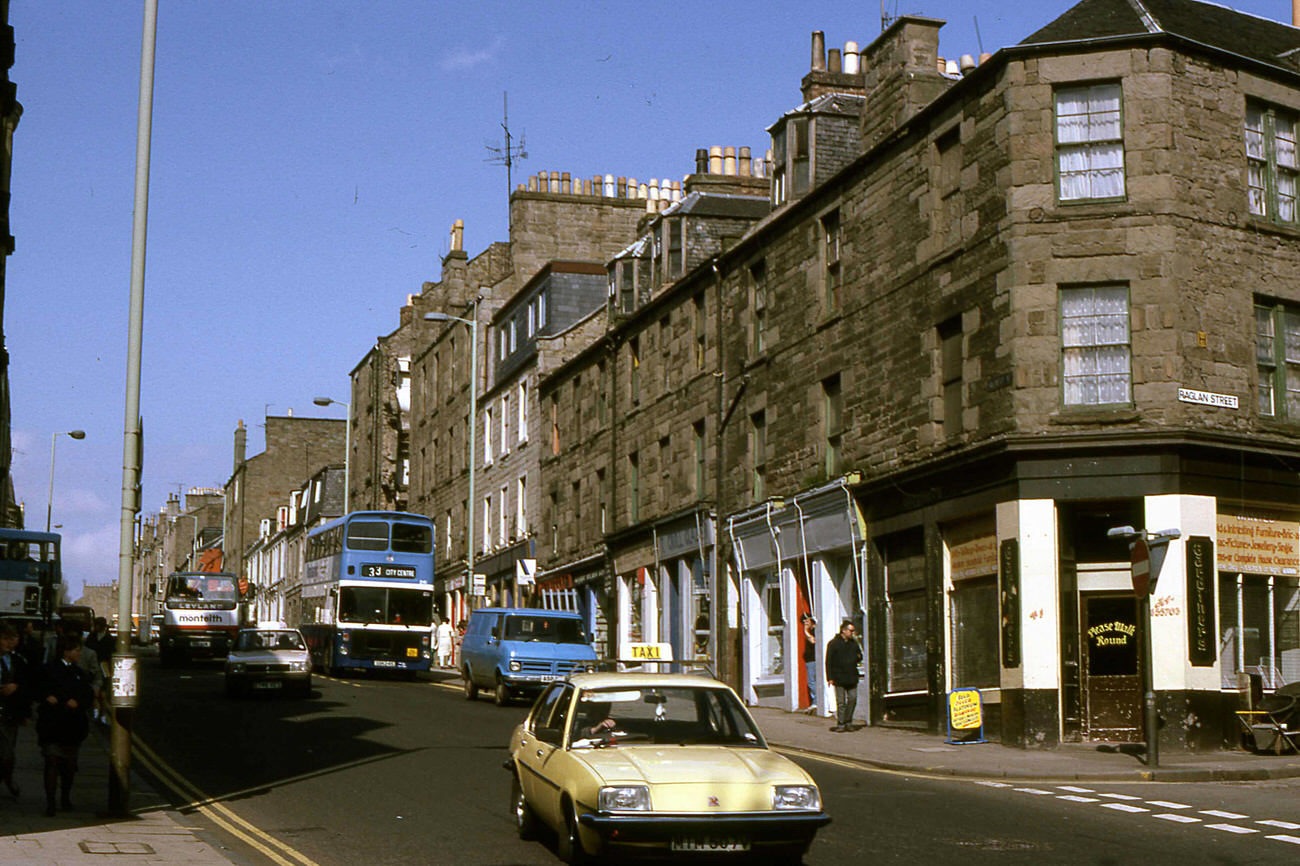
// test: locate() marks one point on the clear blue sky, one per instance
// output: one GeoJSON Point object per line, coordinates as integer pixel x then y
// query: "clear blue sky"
{"type": "Point", "coordinates": [309, 157]}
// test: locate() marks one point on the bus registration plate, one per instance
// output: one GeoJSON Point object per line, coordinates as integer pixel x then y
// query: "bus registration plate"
{"type": "Point", "coordinates": [708, 845]}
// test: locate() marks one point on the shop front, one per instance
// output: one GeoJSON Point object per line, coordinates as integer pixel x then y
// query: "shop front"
{"type": "Point", "coordinates": [582, 586]}
{"type": "Point", "coordinates": [683, 553]}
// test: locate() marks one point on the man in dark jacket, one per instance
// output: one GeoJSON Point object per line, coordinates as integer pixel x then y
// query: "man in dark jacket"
{"type": "Point", "coordinates": [843, 655]}
{"type": "Point", "coordinates": [15, 701]}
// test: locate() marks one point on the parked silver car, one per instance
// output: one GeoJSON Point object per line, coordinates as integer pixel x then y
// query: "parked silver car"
{"type": "Point", "coordinates": [268, 659]}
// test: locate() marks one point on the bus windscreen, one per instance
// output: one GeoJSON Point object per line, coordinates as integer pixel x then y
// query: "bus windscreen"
{"type": "Point", "coordinates": [381, 606]}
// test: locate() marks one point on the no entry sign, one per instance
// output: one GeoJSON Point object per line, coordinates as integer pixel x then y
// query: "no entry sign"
{"type": "Point", "coordinates": [1140, 556]}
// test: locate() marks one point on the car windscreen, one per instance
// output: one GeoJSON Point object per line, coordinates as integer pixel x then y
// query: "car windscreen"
{"type": "Point", "coordinates": [382, 606]}
{"type": "Point", "coordinates": [546, 629]}
{"type": "Point", "coordinates": [412, 538]}
{"type": "Point", "coordinates": [367, 535]}
{"type": "Point", "coordinates": [269, 640]}
{"type": "Point", "coordinates": [673, 715]}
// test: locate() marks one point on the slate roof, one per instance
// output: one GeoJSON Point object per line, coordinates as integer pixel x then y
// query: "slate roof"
{"type": "Point", "coordinates": [1207, 23]}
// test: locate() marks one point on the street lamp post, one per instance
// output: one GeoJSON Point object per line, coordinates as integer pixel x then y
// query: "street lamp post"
{"type": "Point", "coordinates": [347, 447]}
{"type": "Point", "coordinates": [49, 502]}
{"type": "Point", "coordinates": [473, 426]}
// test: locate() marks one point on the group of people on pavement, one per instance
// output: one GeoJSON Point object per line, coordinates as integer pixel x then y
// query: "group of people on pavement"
{"type": "Point", "coordinates": [843, 669]}
{"type": "Point", "coordinates": [62, 677]}
{"type": "Point", "coordinates": [446, 642]}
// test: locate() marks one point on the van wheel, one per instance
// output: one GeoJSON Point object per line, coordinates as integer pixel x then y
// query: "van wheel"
{"type": "Point", "coordinates": [525, 820]}
{"type": "Point", "coordinates": [502, 694]}
{"type": "Point", "coordinates": [471, 687]}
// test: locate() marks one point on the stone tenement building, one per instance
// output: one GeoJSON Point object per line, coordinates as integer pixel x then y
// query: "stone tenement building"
{"type": "Point", "coordinates": [171, 541]}
{"type": "Point", "coordinates": [296, 448]}
{"type": "Point", "coordinates": [1047, 294]}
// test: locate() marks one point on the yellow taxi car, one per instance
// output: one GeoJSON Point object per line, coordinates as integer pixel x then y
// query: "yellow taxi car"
{"type": "Point", "coordinates": [656, 764]}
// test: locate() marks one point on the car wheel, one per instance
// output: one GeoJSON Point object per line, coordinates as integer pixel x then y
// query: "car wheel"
{"type": "Point", "coordinates": [570, 843]}
{"type": "Point", "coordinates": [471, 687]}
{"type": "Point", "coordinates": [502, 694]}
{"type": "Point", "coordinates": [525, 820]}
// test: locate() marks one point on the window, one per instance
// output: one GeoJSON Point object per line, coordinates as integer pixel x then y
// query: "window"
{"type": "Point", "coordinates": [634, 367]}
{"type": "Point", "coordinates": [700, 331]}
{"type": "Point", "coordinates": [487, 436]}
{"type": "Point", "coordinates": [541, 311]}
{"type": "Point", "coordinates": [1095, 345]}
{"type": "Point", "coordinates": [553, 499]}
{"type": "Point", "coordinates": [779, 172]}
{"type": "Point", "coordinates": [831, 259]}
{"type": "Point", "coordinates": [600, 394]}
{"type": "Point", "coordinates": [575, 498]}
{"type": "Point", "coordinates": [833, 423]}
{"type": "Point", "coordinates": [626, 284]}
{"type": "Point", "coordinates": [904, 558]}
{"type": "Point", "coordinates": [633, 487]}
{"type": "Point", "coordinates": [1259, 627]}
{"type": "Point", "coordinates": [1277, 356]}
{"type": "Point", "coordinates": [800, 150]}
{"type": "Point", "coordinates": [601, 493]}
{"type": "Point", "coordinates": [522, 403]}
{"type": "Point", "coordinates": [487, 523]}
{"type": "Point", "coordinates": [773, 635]}
{"type": "Point", "coordinates": [501, 344]}
{"type": "Point", "coordinates": [505, 424]}
{"type": "Point", "coordinates": [758, 304]}
{"type": "Point", "coordinates": [446, 534]}
{"type": "Point", "coordinates": [974, 634]}
{"type": "Point", "coordinates": [521, 506]}
{"type": "Point", "coordinates": [697, 431]}
{"type": "Point", "coordinates": [758, 455]}
{"type": "Point", "coordinates": [532, 320]}
{"type": "Point", "coordinates": [1271, 166]}
{"type": "Point", "coordinates": [575, 408]}
{"type": "Point", "coordinates": [503, 526]}
{"type": "Point", "coordinates": [514, 344]}
{"type": "Point", "coordinates": [950, 379]}
{"type": "Point", "coordinates": [1089, 142]}
{"type": "Point", "coordinates": [947, 202]}
{"type": "Point", "coordinates": [674, 230]}
{"type": "Point", "coordinates": [665, 347]}
{"type": "Point", "coordinates": [555, 423]}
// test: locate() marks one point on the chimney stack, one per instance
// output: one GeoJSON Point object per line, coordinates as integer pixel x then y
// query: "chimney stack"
{"type": "Point", "coordinates": [241, 444]}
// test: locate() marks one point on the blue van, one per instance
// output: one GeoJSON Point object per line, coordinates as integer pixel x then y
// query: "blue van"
{"type": "Point", "coordinates": [518, 650]}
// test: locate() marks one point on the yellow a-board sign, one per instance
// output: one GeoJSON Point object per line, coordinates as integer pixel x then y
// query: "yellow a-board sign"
{"type": "Point", "coordinates": [965, 716]}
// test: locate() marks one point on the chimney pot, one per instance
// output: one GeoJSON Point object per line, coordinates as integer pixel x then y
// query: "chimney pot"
{"type": "Point", "coordinates": [818, 50]}
{"type": "Point", "coordinates": [715, 160]}
{"type": "Point", "coordinates": [833, 64]}
{"type": "Point", "coordinates": [701, 160]}
{"type": "Point", "coordinates": [967, 64]}
{"type": "Point", "coordinates": [610, 189]}
{"type": "Point", "coordinates": [852, 59]}
{"type": "Point", "coordinates": [745, 162]}
{"type": "Point", "coordinates": [729, 161]}
{"type": "Point", "coordinates": [951, 68]}
{"type": "Point", "coordinates": [985, 57]}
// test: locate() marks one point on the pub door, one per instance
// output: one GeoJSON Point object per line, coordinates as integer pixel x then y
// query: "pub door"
{"type": "Point", "coordinates": [1110, 647]}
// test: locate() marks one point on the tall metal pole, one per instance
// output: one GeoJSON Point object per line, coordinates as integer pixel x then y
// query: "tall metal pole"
{"type": "Point", "coordinates": [1150, 720]}
{"type": "Point", "coordinates": [347, 460]}
{"type": "Point", "coordinates": [120, 752]}
{"type": "Point", "coordinates": [473, 426]}
{"type": "Point", "coordinates": [49, 500]}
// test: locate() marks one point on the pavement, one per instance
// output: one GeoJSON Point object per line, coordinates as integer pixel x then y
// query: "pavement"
{"type": "Point", "coordinates": [155, 832]}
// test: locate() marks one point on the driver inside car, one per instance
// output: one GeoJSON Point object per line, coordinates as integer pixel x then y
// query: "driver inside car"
{"type": "Point", "coordinates": [596, 721]}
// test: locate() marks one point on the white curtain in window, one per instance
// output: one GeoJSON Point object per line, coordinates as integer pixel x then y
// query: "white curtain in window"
{"type": "Point", "coordinates": [1094, 335]}
{"type": "Point", "coordinates": [1089, 135]}
{"type": "Point", "coordinates": [1291, 348]}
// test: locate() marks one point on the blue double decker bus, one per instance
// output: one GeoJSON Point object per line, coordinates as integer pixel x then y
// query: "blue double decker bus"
{"type": "Point", "coordinates": [30, 573]}
{"type": "Point", "coordinates": [367, 593]}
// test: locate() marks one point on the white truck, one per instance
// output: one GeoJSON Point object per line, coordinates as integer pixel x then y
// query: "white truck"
{"type": "Point", "coordinates": [201, 615]}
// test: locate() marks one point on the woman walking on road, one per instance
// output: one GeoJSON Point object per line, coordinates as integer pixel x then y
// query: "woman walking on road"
{"type": "Point", "coordinates": [63, 719]}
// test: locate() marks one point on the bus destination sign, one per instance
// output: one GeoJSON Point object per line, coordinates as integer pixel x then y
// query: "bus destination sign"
{"type": "Point", "coordinates": [387, 571]}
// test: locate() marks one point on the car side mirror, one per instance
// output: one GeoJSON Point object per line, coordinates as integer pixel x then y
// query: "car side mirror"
{"type": "Point", "coordinates": [549, 735]}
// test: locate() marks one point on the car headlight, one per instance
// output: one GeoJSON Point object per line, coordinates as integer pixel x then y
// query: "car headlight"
{"type": "Point", "coordinates": [796, 797]}
{"type": "Point", "coordinates": [297, 666]}
{"type": "Point", "coordinates": [590, 668]}
{"type": "Point", "coordinates": [515, 666]}
{"type": "Point", "coordinates": [236, 668]}
{"type": "Point", "coordinates": [624, 798]}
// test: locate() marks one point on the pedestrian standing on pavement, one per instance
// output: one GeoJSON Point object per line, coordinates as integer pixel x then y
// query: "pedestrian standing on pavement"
{"type": "Point", "coordinates": [62, 721]}
{"type": "Point", "coordinates": [15, 701]}
{"type": "Point", "coordinates": [810, 658]}
{"type": "Point", "coordinates": [30, 646]}
{"type": "Point", "coordinates": [103, 644]}
{"type": "Point", "coordinates": [843, 655]}
{"type": "Point", "coordinates": [444, 644]}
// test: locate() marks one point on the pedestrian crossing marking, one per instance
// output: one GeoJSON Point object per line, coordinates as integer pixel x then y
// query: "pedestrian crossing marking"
{"type": "Point", "coordinates": [1076, 790]}
{"type": "Point", "coordinates": [1165, 804]}
{"type": "Point", "coordinates": [1033, 791]}
{"type": "Point", "coordinates": [1123, 807]}
{"type": "Point", "coordinates": [1293, 840]}
{"type": "Point", "coordinates": [1231, 828]}
{"type": "Point", "coordinates": [1181, 819]}
{"type": "Point", "coordinates": [1121, 796]}
{"type": "Point", "coordinates": [1075, 798]}
{"type": "Point", "coordinates": [995, 784]}
{"type": "Point", "coordinates": [1282, 825]}
{"type": "Point", "coordinates": [1215, 813]}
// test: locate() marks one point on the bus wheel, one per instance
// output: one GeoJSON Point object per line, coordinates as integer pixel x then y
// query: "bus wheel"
{"type": "Point", "coordinates": [471, 687]}
{"type": "Point", "coordinates": [502, 694]}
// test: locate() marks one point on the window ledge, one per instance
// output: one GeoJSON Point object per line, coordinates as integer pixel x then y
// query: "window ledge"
{"type": "Point", "coordinates": [1264, 224]}
{"type": "Point", "coordinates": [1116, 414]}
{"type": "Point", "coordinates": [1273, 424]}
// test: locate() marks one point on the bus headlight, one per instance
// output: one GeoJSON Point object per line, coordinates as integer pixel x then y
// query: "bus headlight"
{"type": "Point", "coordinates": [624, 798]}
{"type": "Point", "coordinates": [796, 797]}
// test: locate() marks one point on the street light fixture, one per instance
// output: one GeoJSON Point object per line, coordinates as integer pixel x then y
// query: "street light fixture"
{"type": "Point", "coordinates": [472, 323]}
{"type": "Point", "coordinates": [49, 502]}
{"type": "Point", "coordinates": [347, 447]}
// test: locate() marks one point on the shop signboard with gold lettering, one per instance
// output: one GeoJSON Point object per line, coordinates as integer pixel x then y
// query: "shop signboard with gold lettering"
{"type": "Point", "coordinates": [965, 717]}
{"type": "Point", "coordinates": [1255, 545]}
{"type": "Point", "coordinates": [1009, 601]}
{"type": "Point", "coordinates": [1202, 642]}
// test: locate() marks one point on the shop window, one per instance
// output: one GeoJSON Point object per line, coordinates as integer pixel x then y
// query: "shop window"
{"type": "Point", "coordinates": [700, 611]}
{"type": "Point", "coordinates": [1095, 363]}
{"type": "Point", "coordinates": [1277, 359]}
{"type": "Point", "coordinates": [1271, 164]}
{"type": "Point", "coordinates": [905, 604]}
{"type": "Point", "coordinates": [1259, 629]}
{"type": "Point", "coordinates": [636, 601]}
{"type": "Point", "coordinates": [974, 637]}
{"type": "Point", "coordinates": [773, 648]}
{"type": "Point", "coordinates": [1089, 143]}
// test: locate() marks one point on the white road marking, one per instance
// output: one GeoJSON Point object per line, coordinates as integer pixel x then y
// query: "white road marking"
{"type": "Point", "coordinates": [1231, 828]}
{"type": "Point", "coordinates": [1294, 840]}
{"type": "Point", "coordinates": [1165, 804]}
{"type": "Point", "coordinates": [1121, 796]}
{"type": "Point", "coordinates": [1123, 807]}
{"type": "Point", "coordinates": [1215, 813]}
{"type": "Point", "coordinates": [1181, 819]}
{"type": "Point", "coordinates": [1076, 790]}
{"type": "Point", "coordinates": [1283, 825]}
{"type": "Point", "coordinates": [1033, 791]}
{"type": "Point", "coordinates": [1075, 798]}
{"type": "Point", "coordinates": [995, 784]}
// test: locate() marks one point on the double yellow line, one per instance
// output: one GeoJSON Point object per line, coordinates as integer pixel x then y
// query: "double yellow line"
{"type": "Point", "coordinates": [210, 807]}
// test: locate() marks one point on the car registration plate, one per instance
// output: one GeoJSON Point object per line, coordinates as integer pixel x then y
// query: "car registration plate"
{"type": "Point", "coordinates": [709, 845]}
{"type": "Point", "coordinates": [267, 684]}
{"type": "Point", "coordinates": [198, 643]}
{"type": "Point", "coordinates": [385, 663]}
